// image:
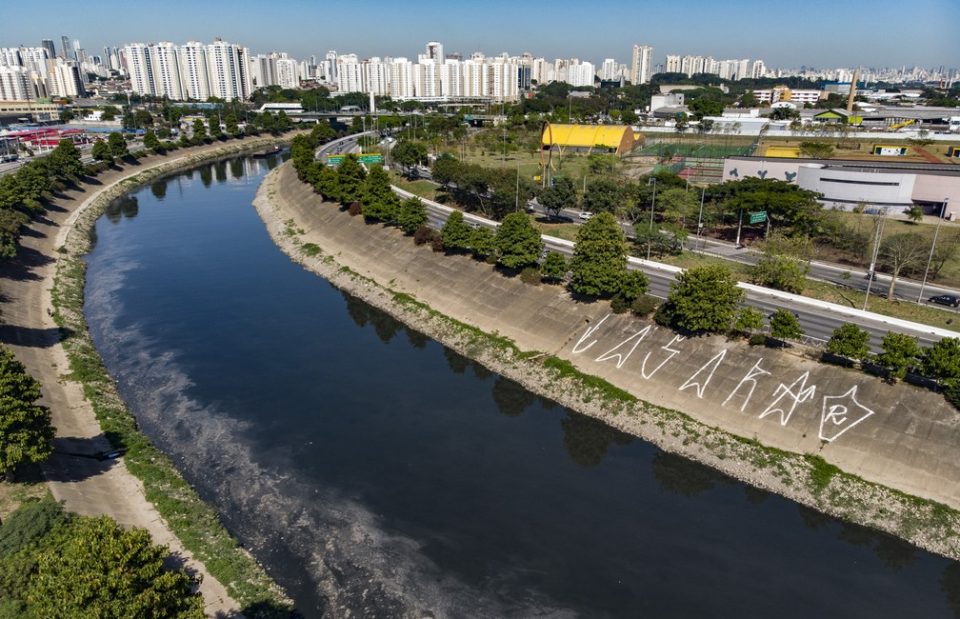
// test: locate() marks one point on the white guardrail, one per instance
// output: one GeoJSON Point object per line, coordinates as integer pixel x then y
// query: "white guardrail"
{"type": "Point", "coordinates": [754, 290]}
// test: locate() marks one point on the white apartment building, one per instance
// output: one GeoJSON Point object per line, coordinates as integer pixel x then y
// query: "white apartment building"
{"type": "Point", "coordinates": [15, 84]}
{"type": "Point", "coordinates": [166, 71]}
{"type": "Point", "coordinates": [376, 77]}
{"type": "Point", "coordinates": [63, 79]}
{"type": "Point", "coordinates": [641, 65]}
{"type": "Point", "coordinates": [427, 75]}
{"type": "Point", "coordinates": [229, 78]}
{"type": "Point", "coordinates": [673, 64]}
{"type": "Point", "coordinates": [782, 93]}
{"type": "Point", "coordinates": [288, 72]}
{"type": "Point", "coordinates": [349, 74]}
{"type": "Point", "coordinates": [581, 74]}
{"type": "Point", "coordinates": [609, 70]}
{"type": "Point", "coordinates": [401, 79]}
{"type": "Point", "coordinates": [758, 70]}
{"type": "Point", "coordinates": [194, 70]}
{"type": "Point", "coordinates": [139, 59]}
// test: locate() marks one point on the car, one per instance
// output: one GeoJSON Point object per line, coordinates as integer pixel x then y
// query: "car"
{"type": "Point", "coordinates": [945, 299]}
{"type": "Point", "coordinates": [585, 215]}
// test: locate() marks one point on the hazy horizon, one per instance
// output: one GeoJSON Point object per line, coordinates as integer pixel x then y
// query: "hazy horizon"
{"type": "Point", "coordinates": [819, 34]}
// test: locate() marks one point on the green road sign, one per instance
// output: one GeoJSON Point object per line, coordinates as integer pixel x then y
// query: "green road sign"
{"type": "Point", "coordinates": [758, 218]}
{"type": "Point", "coordinates": [335, 160]}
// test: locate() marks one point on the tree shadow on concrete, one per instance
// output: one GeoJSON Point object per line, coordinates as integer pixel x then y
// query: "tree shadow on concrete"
{"type": "Point", "coordinates": [32, 337]}
{"type": "Point", "coordinates": [22, 268]}
{"type": "Point", "coordinates": [76, 459]}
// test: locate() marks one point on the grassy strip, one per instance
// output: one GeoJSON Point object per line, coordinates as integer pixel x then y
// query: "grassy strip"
{"type": "Point", "coordinates": [194, 522]}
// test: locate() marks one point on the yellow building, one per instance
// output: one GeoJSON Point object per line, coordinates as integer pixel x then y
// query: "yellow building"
{"type": "Point", "coordinates": [610, 138]}
{"type": "Point", "coordinates": [790, 152]}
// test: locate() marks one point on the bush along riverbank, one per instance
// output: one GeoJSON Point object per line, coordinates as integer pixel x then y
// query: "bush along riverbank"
{"type": "Point", "coordinates": [807, 479]}
{"type": "Point", "coordinates": [194, 522]}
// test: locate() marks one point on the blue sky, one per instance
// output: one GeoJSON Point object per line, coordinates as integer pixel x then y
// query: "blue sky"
{"type": "Point", "coordinates": [821, 33]}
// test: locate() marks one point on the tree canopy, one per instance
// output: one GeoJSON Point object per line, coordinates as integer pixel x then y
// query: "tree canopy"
{"type": "Point", "coordinates": [26, 433]}
{"type": "Point", "coordinates": [518, 243]}
{"type": "Point", "coordinates": [702, 300]}
{"type": "Point", "coordinates": [599, 262]}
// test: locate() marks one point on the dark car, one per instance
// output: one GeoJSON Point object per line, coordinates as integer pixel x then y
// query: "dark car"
{"type": "Point", "coordinates": [946, 299]}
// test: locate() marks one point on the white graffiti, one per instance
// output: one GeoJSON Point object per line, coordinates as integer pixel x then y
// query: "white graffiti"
{"type": "Point", "coordinates": [673, 353]}
{"type": "Point", "coordinates": [620, 357]}
{"type": "Point", "coordinates": [588, 334]}
{"type": "Point", "coordinates": [751, 377]}
{"type": "Point", "coordinates": [838, 417]}
{"type": "Point", "coordinates": [797, 393]}
{"type": "Point", "coordinates": [713, 364]}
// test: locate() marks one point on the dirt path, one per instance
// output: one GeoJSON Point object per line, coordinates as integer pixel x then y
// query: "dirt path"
{"type": "Point", "coordinates": [85, 484]}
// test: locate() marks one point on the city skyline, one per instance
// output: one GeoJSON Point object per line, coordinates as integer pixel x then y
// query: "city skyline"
{"type": "Point", "coordinates": [822, 35]}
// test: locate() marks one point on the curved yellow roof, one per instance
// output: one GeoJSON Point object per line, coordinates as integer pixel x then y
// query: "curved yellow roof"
{"type": "Point", "coordinates": [617, 137]}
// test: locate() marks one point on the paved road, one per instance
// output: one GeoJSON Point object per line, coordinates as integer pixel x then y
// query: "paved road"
{"type": "Point", "coordinates": [817, 323]}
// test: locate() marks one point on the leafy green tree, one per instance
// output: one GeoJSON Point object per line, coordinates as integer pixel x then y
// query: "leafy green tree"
{"type": "Point", "coordinates": [109, 112]}
{"type": "Point", "coordinates": [781, 273]}
{"type": "Point", "coordinates": [213, 123]}
{"type": "Point", "coordinates": [702, 300]}
{"type": "Point", "coordinates": [554, 267]}
{"type": "Point", "coordinates": [64, 160]}
{"type": "Point", "coordinates": [483, 243]}
{"type": "Point", "coordinates": [599, 261]}
{"type": "Point", "coordinates": [118, 145]}
{"type": "Point", "coordinates": [199, 131]}
{"type": "Point", "coordinates": [101, 151]}
{"type": "Point", "coordinates": [633, 285]}
{"type": "Point", "coordinates": [95, 568]}
{"type": "Point", "coordinates": [518, 243]}
{"type": "Point", "coordinates": [409, 153]}
{"type": "Point", "coordinates": [850, 341]}
{"type": "Point", "coordinates": [603, 196]}
{"type": "Point", "coordinates": [350, 175]}
{"type": "Point", "coordinates": [677, 205]}
{"type": "Point", "coordinates": [942, 360]}
{"type": "Point", "coordinates": [704, 106]}
{"type": "Point", "coordinates": [914, 213]}
{"type": "Point", "coordinates": [816, 150]}
{"type": "Point", "coordinates": [562, 194]}
{"type": "Point", "coordinates": [784, 325]}
{"type": "Point", "coordinates": [456, 233]}
{"type": "Point", "coordinates": [26, 527]}
{"type": "Point", "coordinates": [748, 321]}
{"type": "Point", "coordinates": [899, 352]}
{"type": "Point", "coordinates": [151, 141]}
{"type": "Point", "coordinates": [26, 433]}
{"type": "Point", "coordinates": [412, 215]}
{"type": "Point", "coordinates": [379, 201]}
{"type": "Point", "coordinates": [230, 120]}
{"type": "Point", "coordinates": [327, 182]}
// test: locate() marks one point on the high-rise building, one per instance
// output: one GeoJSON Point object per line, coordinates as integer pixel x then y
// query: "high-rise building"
{"type": "Point", "coordinates": [166, 71]}
{"type": "Point", "coordinates": [435, 52]}
{"type": "Point", "coordinates": [349, 73]}
{"type": "Point", "coordinates": [139, 57]}
{"type": "Point", "coordinates": [758, 70]}
{"type": "Point", "coordinates": [63, 79]}
{"type": "Point", "coordinates": [227, 70]}
{"type": "Point", "coordinates": [194, 70]}
{"type": "Point", "coordinates": [641, 67]}
{"type": "Point", "coordinates": [65, 47]}
{"type": "Point", "coordinates": [47, 44]}
{"type": "Point", "coordinates": [15, 84]}
{"type": "Point", "coordinates": [672, 64]}
{"type": "Point", "coordinates": [608, 70]}
{"type": "Point", "coordinates": [287, 72]}
{"type": "Point", "coordinates": [331, 66]}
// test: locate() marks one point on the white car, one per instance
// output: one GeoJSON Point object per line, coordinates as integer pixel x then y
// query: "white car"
{"type": "Point", "coordinates": [585, 215]}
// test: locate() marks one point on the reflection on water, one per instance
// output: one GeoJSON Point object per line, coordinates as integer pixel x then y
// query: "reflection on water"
{"type": "Point", "coordinates": [377, 473]}
{"type": "Point", "coordinates": [124, 206]}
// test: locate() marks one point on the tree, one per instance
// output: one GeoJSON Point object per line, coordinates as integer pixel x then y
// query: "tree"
{"type": "Point", "coordinates": [95, 568]}
{"type": "Point", "coordinates": [899, 353]}
{"type": "Point", "coordinates": [409, 153]}
{"type": "Point", "coordinates": [230, 120]}
{"type": "Point", "coordinates": [101, 151]}
{"type": "Point", "coordinates": [109, 112]}
{"type": "Point", "coordinates": [914, 213]}
{"type": "Point", "coordinates": [784, 325]}
{"type": "Point", "coordinates": [748, 321]}
{"type": "Point", "coordinates": [677, 204]}
{"type": "Point", "coordinates": [213, 122]}
{"type": "Point", "coordinates": [703, 299]}
{"type": "Point", "coordinates": [151, 141]}
{"type": "Point", "coordinates": [456, 233]}
{"type": "Point", "coordinates": [554, 267]}
{"type": "Point", "coordinates": [26, 433]}
{"type": "Point", "coordinates": [902, 251]}
{"type": "Point", "coordinates": [483, 243]}
{"type": "Point", "coordinates": [850, 341]}
{"type": "Point", "coordinates": [379, 201]}
{"type": "Point", "coordinates": [599, 261]}
{"type": "Point", "coordinates": [199, 131]}
{"type": "Point", "coordinates": [704, 106]}
{"type": "Point", "coordinates": [816, 150]}
{"type": "Point", "coordinates": [65, 161]}
{"type": "Point", "coordinates": [780, 272]}
{"type": "Point", "coordinates": [350, 175]}
{"type": "Point", "coordinates": [327, 182]}
{"type": "Point", "coordinates": [942, 360]}
{"type": "Point", "coordinates": [603, 196]}
{"type": "Point", "coordinates": [633, 285]}
{"type": "Point", "coordinates": [518, 243]}
{"type": "Point", "coordinates": [562, 194]}
{"type": "Point", "coordinates": [412, 215]}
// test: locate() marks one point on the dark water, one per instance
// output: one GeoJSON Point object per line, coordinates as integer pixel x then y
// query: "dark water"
{"type": "Point", "coordinates": [372, 470]}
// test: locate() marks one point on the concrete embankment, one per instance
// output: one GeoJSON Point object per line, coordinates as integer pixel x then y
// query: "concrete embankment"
{"type": "Point", "coordinates": [752, 412]}
{"type": "Point", "coordinates": [51, 250]}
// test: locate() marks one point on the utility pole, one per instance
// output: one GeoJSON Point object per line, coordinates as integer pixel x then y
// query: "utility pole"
{"type": "Point", "coordinates": [871, 274]}
{"type": "Point", "coordinates": [517, 205]}
{"type": "Point", "coordinates": [653, 202]}
{"type": "Point", "coordinates": [739, 228]}
{"type": "Point", "coordinates": [933, 246]}
{"type": "Point", "coordinates": [703, 193]}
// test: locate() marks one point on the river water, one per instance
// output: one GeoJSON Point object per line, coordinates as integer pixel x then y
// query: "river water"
{"type": "Point", "coordinates": [375, 473]}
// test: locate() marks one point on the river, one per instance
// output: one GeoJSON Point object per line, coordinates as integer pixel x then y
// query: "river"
{"type": "Point", "coordinates": [375, 473]}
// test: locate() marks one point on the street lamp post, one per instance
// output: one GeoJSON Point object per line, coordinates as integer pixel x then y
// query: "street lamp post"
{"type": "Point", "coordinates": [653, 202]}
{"type": "Point", "coordinates": [871, 274]}
{"type": "Point", "coordinates": [933, 246]}
{"type": "Point", "coordinates": [703, 192]}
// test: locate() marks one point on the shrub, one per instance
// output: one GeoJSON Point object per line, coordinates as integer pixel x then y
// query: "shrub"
{"type": "Point", "coordinates": [633, 284]}
{"type": "Point", "coordinates": [899, 353]}
{"type": "Point", "coordinates": [748, 321]}
{"type": "Point", "coordinates": [554, 268]}
{"type": "Point", "coordinates": [530, 275]}
{"type": "Point", "coordinates": [952, 393]}
{"type": "Point", "coordinates": [29, 524]}
{"type": "Point", "coordinates": [437, 243]}
{"type": "Point", "coordinates": [424, 234]}
{"type": "Point", "coordinates": [942, 360]}
{"type": "Point", "coordinates": [703, 299]}
{"type": "Point", "coordinates": [850, 341]}
{"type": "Point", "coordinates": [483, 244]}
{"type": "Point", "coordinates": [619, 305]}
{"type": "Point", "coordinates": [785, 326]}
{"type": "Point", "coordinates": [355, 209]}
{"type": "Point", "coordinates": [456, 233]}
{"type": "Point", "coordinates": [757, 339]}
{"type": "Point", "coordinates": [644, 305]}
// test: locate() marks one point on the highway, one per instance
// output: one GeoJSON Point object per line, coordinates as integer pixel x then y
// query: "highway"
{"type": "Point", "coordinates": [818, 319]}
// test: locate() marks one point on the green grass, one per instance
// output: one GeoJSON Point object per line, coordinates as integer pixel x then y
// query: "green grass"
{"type": "Point", "coordinates": [310, 249]}
{"type": "Point", "coordinates": [560, 230]}
{"type": "Point", "coordinates": [193, 521]}
{"type": "Point", "coordinates": [607, 390]}
{"type": "Point", "coordinates": [821, 473]}
{"type": "Point", "coordinates": [423, 188]}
